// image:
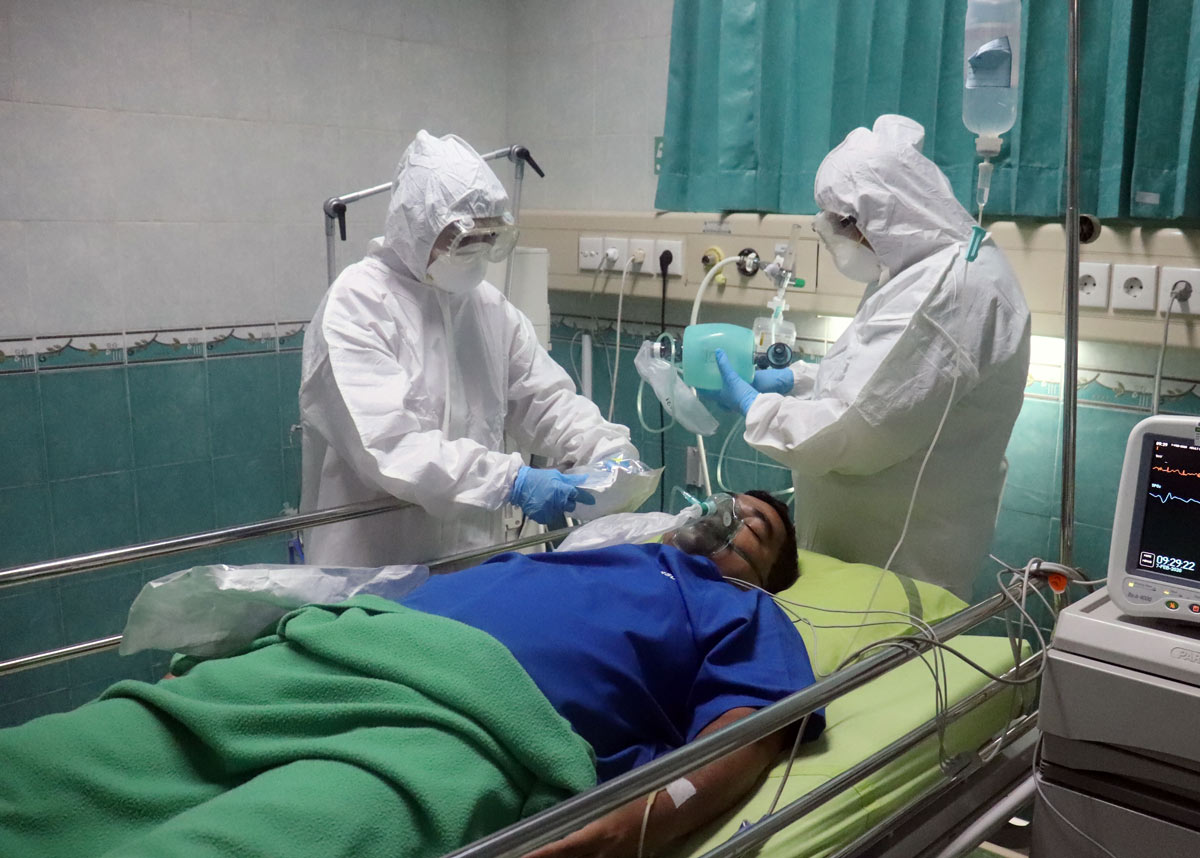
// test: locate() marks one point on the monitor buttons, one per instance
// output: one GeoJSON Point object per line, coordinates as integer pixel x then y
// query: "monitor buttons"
{"type": "Point", "coordinates": [1172, 605]}
{"type": "Point", "coordinates": [1194, 608]}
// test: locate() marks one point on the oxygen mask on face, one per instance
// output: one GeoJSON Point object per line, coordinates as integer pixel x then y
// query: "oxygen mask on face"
{"type": "Point", "coordinates": [713, 530]}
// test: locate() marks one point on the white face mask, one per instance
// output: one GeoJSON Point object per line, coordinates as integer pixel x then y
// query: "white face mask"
{"type": "Point", "coordinates": [853, 258]}
{"type": "Point", "coordinates": [455, 274]}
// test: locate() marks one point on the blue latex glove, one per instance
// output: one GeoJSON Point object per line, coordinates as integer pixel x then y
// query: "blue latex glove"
{"type": "Point", "coordinates": [545, 494]}
{"type": "Point", "coordinates": [774, 380]}
{"type": "Point", "coordinates": [736, 395]}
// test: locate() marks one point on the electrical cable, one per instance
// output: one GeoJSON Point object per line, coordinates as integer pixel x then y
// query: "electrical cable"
{"type": "Point", "coordinates": [1162, 356]}
{"type": "Point", "coordinates": [612, 398]}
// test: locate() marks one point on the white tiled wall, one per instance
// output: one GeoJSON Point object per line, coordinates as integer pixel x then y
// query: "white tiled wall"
{"type": "Point", "coordinates": [164, 163]}
{"type": "Point", "coordinates": [587, 91]}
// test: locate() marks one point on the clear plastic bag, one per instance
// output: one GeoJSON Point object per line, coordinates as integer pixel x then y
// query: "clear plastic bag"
{"type": "Point", "coordinates": [618, 484]}
{"type": "Point", "coordinates": [625, 529]}
{"type": "Point", "coordinates": [679, 400]}
{"type": "Point", "coordinates": [212, 611]}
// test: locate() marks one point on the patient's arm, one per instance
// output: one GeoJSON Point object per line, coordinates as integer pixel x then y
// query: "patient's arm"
{"type": "Point", "coordinates": [718, 786]}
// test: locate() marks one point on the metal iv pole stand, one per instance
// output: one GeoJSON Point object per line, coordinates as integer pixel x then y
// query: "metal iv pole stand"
{"type": "Point", "coordinates": [335, 207]}
{"type": "Point", "coordinates": [1066, 543]}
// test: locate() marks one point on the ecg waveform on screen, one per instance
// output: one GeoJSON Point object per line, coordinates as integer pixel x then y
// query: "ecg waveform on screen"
{"type": "Point", "coordinates": [1178, 471]}
{"type": "Point", "coordinates": [1168, 497]}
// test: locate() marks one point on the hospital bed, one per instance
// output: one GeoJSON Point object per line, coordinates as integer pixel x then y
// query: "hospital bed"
{"type": "Point", "coordinates": [890, 776]}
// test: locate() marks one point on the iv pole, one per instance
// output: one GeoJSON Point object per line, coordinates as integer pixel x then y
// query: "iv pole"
{"type": "Point", "coordinates": [1066, 543]}
{"type": "Point", "coordinates": [335, 207]}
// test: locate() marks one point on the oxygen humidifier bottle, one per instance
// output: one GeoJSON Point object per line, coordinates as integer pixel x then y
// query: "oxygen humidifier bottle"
{"type": "Point", "coordinates": [991, 62]}
{"type": "Point", "coordinates": [700, 343]}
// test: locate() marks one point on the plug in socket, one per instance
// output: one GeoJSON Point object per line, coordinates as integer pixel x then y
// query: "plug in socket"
{"type": "Point", "coordinates": [1135, 287]}
{"type": "Point", "coordinates": [675, 269]}
{"type": "Point", "coordinates": [1167, 279]}
{"type": "Point", "coordinates": [622, 247]}
{"type": "Point", "coordinates": [649, 260]}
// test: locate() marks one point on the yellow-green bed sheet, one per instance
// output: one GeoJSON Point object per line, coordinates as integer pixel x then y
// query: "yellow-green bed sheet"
{"type": "Point", "coordinates": [870, 718]}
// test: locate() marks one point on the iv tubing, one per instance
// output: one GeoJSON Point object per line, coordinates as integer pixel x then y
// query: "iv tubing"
{"type": "Point", "coordinates": [612, 399]}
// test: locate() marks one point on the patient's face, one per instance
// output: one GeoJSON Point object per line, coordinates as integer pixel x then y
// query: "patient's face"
{"type": "Point", "coordinates": [758, 543]}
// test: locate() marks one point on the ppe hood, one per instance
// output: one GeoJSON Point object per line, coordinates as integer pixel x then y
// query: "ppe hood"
{"type": "Point", "coordinates": [901, 201]}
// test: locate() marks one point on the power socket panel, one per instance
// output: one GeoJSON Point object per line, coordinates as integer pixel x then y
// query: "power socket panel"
{"type": "Point", "coordinates": [590, 252]}
{"type": "Point", "coordinates": [1095, 279]}
{"type": "Point", "coordinates": [1167, 278]}
{"type": "Point", "coordinates": [675, 269]}
{"type": "Point", "coordinates": [1135, 287]}
{"type": "Point", "coordinates": [622, 247]}
{"type": "Point", "coordinates": [649, 262]}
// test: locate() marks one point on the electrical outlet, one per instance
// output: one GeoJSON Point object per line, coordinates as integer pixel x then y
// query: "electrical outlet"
{"type": "Point", "coordinates": [622, 248]}
{"type": "Point", "coordinates": [1094, 281]}
{"type": "Point", "coordinates": [1167, 279]}
{"type": "Point", "coordinates": [1135, 287]}
{"type": "Point", "coordinates": [590, 251]}
{"type": "Point", "coordinates": [650, 262]}
{"type": "Point", "coordinates": [675, 269]}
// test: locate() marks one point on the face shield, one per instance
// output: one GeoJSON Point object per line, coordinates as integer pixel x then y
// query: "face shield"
{"type": "Point", "coordinates": [844, 242]}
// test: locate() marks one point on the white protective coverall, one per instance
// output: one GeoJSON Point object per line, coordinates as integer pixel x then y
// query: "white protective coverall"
{"type": "Point", "coordinates": [408, 390]}
{"type": "Point", "coordinates": [856, 427]}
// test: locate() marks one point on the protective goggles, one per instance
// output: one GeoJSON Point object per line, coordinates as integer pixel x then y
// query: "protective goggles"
{"type": "Point", "coordinates": [493, 237]}
{"type": "Point", "coordinates": [828, 224]}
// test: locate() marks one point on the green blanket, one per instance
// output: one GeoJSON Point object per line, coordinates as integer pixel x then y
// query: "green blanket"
{"type": "Point", "coordinates": [358, 729]}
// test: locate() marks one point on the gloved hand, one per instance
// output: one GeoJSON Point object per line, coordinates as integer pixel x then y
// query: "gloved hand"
{"type": "Point", "coordinates": [545, 494]}
{"type": "Point", "coordinates": [774, 380]}
{"type": "Point", "coordinates": [736, 395]}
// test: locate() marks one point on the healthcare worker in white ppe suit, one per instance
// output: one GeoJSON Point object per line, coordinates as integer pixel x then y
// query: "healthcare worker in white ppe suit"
{"type": "Point", "coordinates": [933, 366]}
{"type": "Point", "coordinates": [414, 370]}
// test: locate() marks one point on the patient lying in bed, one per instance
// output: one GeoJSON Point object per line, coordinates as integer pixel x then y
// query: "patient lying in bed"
{"type": "Point", "coordinates": [375, 728]}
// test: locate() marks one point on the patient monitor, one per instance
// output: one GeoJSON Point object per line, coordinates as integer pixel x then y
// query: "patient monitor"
{"type": "Point", "coordinates": [1154, 560]}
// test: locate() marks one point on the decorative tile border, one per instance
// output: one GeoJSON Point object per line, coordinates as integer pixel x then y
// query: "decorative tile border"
{"type": "Point", "coordinates": [18, 356]}
{"type": "Point", "coordinates": [85, 350]}
{"type": "Point", "coordinates": [164, 345]}
{"type": "Point", "coordinates": [33, 354]}
{"type": "Point", "coordinates": [242, 340]}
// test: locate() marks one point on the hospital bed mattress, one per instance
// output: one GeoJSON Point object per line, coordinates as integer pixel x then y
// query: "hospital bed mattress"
{"type": "Point", "coordinates": [859, 724]}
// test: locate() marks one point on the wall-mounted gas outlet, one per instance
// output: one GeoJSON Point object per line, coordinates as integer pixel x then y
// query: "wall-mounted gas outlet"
{"type": "Point", "coordinates": [1094, 280]}
{"type": "Point", "coordinates": [590, 252]}
{"type": "Point", "coordinates": [1135, 287]}
{"type": "Point", "coordinates": [649, 263]}
{"type": "Point", "coordinates": [675, 269]}
{"type": "Point", "coordinates": [1167, 278]}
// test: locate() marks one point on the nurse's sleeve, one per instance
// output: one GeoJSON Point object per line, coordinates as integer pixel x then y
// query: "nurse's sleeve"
{"type": "Point", "coordinates": [884, 409]}
{"type": "Point", "coordinates": [545, 414]}
{"type": "Point", "coordinates": [356, 401]}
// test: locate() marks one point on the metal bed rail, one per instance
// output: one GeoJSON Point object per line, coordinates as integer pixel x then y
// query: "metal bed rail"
{"type": "Point", "coordinates": [65, 653]}
{"type": "Point", "coordinates": [758, 833]}
{"type": "Point", "coordinates": [550, 825]}
{"type": "Point", "coordinates": [205, 539]}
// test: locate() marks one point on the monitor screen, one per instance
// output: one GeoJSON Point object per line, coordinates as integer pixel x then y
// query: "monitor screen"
{"type": "Point", "coordinates": [1165, 530]}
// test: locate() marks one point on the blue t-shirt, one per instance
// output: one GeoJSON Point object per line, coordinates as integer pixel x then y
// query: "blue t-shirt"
{"type": "Point", "coordinates": [639, 647]}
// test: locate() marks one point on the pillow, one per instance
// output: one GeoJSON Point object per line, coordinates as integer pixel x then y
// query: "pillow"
{"type": "Point", "coordinates": [831, 584]}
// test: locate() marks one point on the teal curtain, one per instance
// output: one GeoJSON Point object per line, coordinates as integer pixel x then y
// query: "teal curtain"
{"type": "Point", "coordinates": [760, 90]}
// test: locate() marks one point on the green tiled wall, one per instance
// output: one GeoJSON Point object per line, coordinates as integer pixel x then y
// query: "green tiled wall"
{"type": "Point", "coordinates": [98, 457]}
